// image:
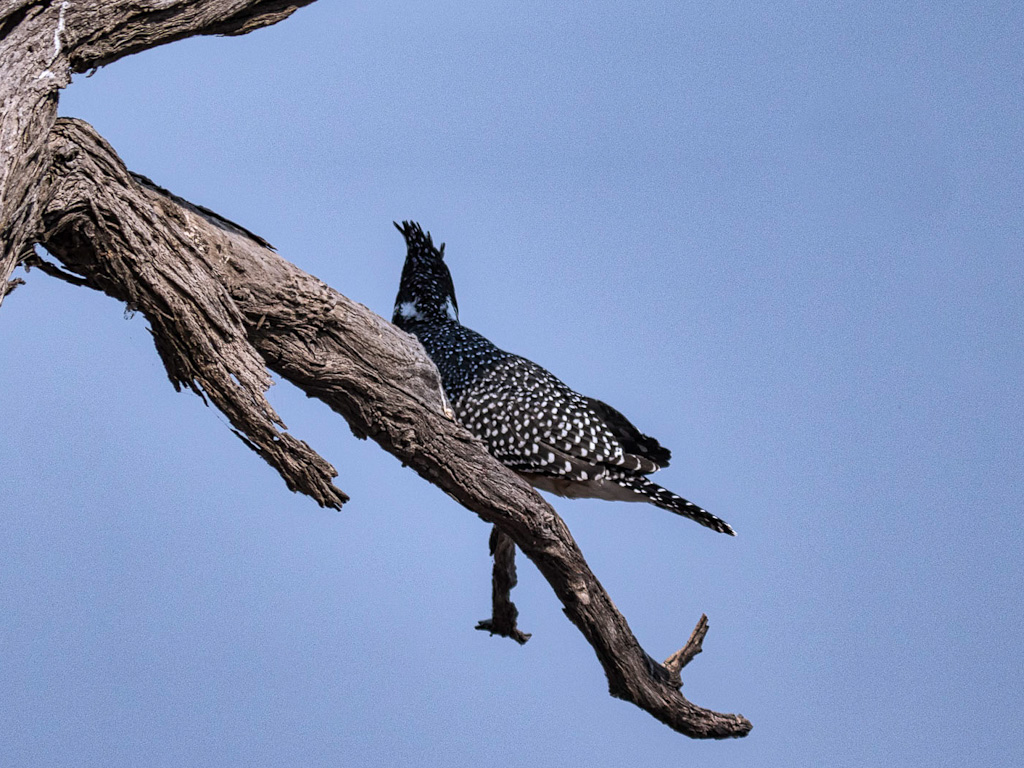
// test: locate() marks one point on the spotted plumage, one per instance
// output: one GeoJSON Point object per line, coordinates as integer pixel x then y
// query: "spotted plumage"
{"type": "Point", "coordinates": [557, 439]}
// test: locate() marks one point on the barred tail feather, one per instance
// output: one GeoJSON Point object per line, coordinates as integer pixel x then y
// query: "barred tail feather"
{"type": "Point", "coordinates": [664, 498]}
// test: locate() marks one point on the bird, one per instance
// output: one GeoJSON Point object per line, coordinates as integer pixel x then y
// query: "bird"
{"type": "Point", "coordinates": [555, 438]}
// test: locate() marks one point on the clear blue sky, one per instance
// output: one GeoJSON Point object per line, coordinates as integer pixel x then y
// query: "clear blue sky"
{"type": "Point", "coordinates": [784, 238]}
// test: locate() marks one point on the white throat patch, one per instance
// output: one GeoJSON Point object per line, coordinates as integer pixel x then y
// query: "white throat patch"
{"type": "Point", "coordinates": [449, 306]}
{"type": "Point", "coordinates": [409, 310]}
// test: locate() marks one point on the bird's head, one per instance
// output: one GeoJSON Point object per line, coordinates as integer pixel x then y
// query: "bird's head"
{"type": "Point", "coordinates": [426, 293]}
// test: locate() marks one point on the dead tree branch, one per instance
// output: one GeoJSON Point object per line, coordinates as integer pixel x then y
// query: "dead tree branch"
{"type": "Point", "coordinates": [223, 307]}
{"type": "Point", "coordinates": [222, 304]}
{"type": "Point", "coordinates": [42, 42]}
{"type": "Point", "coordinates": [503, 611]}
{"type": "Point", "coordinates": [675, 663]}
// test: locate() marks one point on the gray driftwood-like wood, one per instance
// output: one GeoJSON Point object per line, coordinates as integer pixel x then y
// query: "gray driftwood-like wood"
{"type": "Point", "coordinates": [503, 611]}
{"type": "Point", "coordinates": [223, 307]}
{"type": "Point", "coordinates": [42, 42]}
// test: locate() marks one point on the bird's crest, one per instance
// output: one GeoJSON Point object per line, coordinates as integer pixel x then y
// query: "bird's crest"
{"type": "Point", "coordinates": [416, 237]}
{"type": "Point", "coordinates": [426, 293]}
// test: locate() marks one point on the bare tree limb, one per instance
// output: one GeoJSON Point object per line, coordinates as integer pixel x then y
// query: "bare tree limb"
{"type": "Point", "coordinates": [199, 331]}
{"type": "Point", "coordinates": [222, 307]}
{"type": "Point", "coordinates": [503, 611]}
{"type": "Point", "coordinates": [221, 304]}
{"type": "Point", "coordinates": [42, 42]}
{"type": "Point", "coordinates": [685, 655]}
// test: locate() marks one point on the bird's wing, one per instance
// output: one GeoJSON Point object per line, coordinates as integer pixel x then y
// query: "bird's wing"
{"type": "Point", "coordinates": [632, 439]}
{"type": "Point", "coordinates": [547, 427]}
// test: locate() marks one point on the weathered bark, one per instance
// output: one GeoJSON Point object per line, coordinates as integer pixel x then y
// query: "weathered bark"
{"type": "Point", "coordinates": [675, 663]}
{"type": "Point", "coordinates": [32, 70]}
{"type": "Point", "coordinates": [223, 307]}
{"type": "Point", "coordinates": [42, 42]}
{"type": "Point", "coordinates": [503, 580]}
{"type": "Point", "coordinates": [220, 303]}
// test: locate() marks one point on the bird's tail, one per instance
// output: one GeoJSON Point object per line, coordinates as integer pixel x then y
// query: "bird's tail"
{"type": "Point", "coordinates": [664, 498]}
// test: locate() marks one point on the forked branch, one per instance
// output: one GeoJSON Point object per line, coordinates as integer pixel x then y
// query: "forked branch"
{"type": "Point", "coordinates": [43, 41]}
{"type": "Point", "coordinates": [675, 663]}
{"type": "Point", "coordinates": [223, 305]}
